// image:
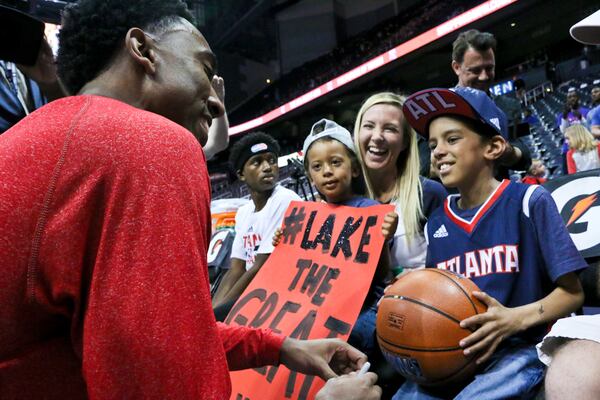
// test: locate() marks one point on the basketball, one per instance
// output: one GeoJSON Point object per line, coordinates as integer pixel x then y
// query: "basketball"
{"type": "Point", "coordinates": [418, 326]}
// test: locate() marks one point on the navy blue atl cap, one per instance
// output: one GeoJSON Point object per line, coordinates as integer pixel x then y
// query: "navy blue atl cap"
{"type": "Point", "coordinates": [422, 107]}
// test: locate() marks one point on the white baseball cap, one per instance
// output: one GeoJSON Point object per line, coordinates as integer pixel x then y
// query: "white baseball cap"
{"type": "Point", "coordinates": [587, 30]}
{"type": "Point", "coordinates": [324, 128]}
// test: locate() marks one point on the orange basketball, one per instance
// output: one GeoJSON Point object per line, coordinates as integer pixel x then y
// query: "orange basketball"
{"type": "Point", "coordinates": [418, 326]}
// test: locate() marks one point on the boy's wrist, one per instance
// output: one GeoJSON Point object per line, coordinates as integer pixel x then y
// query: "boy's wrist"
{"type": "Point", "coordinates": [529, 315]}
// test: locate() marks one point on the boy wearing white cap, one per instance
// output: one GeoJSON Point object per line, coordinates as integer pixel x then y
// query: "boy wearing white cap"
{"type": "Point", "coordinates": [333, 168]}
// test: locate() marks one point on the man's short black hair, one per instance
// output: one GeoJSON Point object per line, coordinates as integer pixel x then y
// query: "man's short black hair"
{"type": "Point", "coordinates": [93, 31]}
{"type": "Point", "coordinates": [239, 149]}
{"type": "Point", "coordinates": [480, 41]}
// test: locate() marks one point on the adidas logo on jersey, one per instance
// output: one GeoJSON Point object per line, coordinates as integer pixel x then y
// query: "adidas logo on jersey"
{"type": "Point", "coordinates": [441, 232]}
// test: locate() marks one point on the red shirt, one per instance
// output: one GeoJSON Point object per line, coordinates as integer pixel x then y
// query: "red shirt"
{"type": "Point", "coordinates": [578, 161]}
{"type": "Point", "coordinates": [533, 180]}
{"type": "Point", "coordinates": [104, 227]}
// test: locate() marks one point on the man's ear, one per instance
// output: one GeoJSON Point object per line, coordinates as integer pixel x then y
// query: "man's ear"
{"type": "Point", "coordinates": [140, 48]}
{"type": "Point", "coordinates": [496, 147]}
{"type": "Point", "coordinates": [456, 67]}
{"type": "Point", "coordinates": [240, 175]}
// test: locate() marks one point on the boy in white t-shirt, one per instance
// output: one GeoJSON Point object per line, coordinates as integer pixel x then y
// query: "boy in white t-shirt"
{"type": "Point", "coordinates": [254, 159]}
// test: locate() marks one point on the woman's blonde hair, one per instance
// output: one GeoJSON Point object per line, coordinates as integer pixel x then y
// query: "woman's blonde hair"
{"type": "Point", "coordinates": [408, 191]}
{"type": "Point", "coordinates": [580, 138]}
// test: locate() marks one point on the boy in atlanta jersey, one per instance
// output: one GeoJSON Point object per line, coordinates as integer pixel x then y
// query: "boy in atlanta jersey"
{"type": "Point", "coordinates": [506, 237]}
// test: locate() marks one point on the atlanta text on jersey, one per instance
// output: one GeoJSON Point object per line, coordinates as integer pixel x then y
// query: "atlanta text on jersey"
{"type": "Point", "coordinates": [501, 259]}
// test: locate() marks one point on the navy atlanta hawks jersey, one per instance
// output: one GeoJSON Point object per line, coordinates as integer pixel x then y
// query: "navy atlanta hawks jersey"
{"type": "Point", "coordinates": [514, 246]}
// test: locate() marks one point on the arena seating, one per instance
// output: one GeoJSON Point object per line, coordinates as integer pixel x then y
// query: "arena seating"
{"type": "Point", "coordinates": [546, 140]}
{"type": "Point", "coordinates": [352, 53]}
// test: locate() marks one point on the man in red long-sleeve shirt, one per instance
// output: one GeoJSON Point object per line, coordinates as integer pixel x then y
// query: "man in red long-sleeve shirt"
{"type": "Point", "coordinates": [104, 224]}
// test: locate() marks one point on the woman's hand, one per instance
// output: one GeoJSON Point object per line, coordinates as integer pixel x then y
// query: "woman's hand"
{"type": "Point", "coordinates": [390, 223]}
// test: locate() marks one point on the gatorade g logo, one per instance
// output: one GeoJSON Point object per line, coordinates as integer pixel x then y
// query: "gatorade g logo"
{"type": "Point", "coordinates": [581, 207]}
{"type": "Point", "coordinates": [578, 202]}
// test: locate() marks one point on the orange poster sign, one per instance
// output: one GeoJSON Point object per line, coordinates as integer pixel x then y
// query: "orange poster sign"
{"type": "Point", "coordinates": [312, 286]}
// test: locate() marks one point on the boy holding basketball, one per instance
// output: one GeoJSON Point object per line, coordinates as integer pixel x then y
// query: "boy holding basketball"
{"type": "Point", "coordinates": [507, 237]}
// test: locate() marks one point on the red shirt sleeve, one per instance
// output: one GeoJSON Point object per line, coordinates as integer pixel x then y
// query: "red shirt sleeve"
{"type": "Point", "coordinates": [249, 348]}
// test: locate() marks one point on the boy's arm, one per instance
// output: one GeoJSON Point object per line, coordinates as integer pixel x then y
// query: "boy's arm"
{"type": "Point", "coordinates": [565, 299]}
{"type": "Point", "coordinates": [562, 261]}
{"type": "Point", "coordinates": [237, 269]}
{"type": "Point", "coordinates": [244, 280]}
{"type": "Point", "coordinates": [500, 322]}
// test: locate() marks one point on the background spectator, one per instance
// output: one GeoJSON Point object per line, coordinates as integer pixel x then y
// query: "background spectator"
{"type": "Point", "coordinates": [28, 76]}
{"type": "Point", "coordinates": [254, 160]}
{"type": "Point", "coordinates": [573, 113]}
{"type": "Point", "coordinates": [474, 63]}
{"type": "Point", "coordinates": [584, 150]}
{"type": "Point", "coordinates": [536, 173]}
{"type": "Point", "coordinates": [593, 117]}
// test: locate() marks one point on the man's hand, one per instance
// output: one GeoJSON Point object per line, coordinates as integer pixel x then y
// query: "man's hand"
{"type": "Point", "coordinates": [44, 69]}
{"type": "Point", "coordinates": [351, 387]}
{"type": "Point", "coordinates": [511, 155]}
{"type": "Point", "coordinates": [325, 358]}
{"type": "Point", "coordinates": [219, 85]}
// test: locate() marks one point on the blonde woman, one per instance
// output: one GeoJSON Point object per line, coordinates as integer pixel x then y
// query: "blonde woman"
{"type": "Point", "coordinates": [389, 158]}
{"type": "Point", "coordinates": [584, 150]}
